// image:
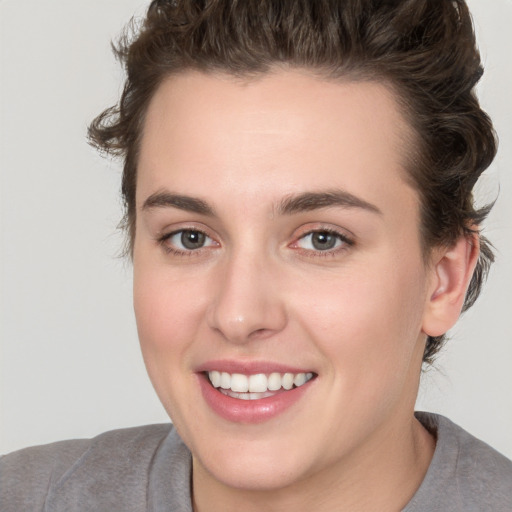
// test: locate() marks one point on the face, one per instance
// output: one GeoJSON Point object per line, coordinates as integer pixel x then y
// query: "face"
{"type": "Point", "coordinates": [278, 276]}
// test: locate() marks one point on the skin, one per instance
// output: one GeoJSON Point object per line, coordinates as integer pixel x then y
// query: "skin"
{"type": "Point", "coordinates": [357, 315]}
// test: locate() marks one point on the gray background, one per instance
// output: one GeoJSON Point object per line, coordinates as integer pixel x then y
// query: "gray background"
{"type": "Point", "coordinates": [69, 358]}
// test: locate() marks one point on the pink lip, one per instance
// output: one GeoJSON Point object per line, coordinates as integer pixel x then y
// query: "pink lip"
{"type": "Point", "coordinates": [250, 411]}
{"type": "Point", "coordinates": [248, 367]}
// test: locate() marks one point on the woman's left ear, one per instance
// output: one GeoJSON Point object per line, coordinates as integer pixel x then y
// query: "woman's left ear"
{"type": "Point", "coordinates": [451, 272]}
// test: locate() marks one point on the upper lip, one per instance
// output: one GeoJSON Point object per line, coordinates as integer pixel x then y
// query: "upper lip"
{"type": "Point", "coordinates": [249, 367]}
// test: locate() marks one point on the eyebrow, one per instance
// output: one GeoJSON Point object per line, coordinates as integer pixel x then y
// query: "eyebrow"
{"type": "Point", "coordinates": [182, 202]}
{"type": "Point", "coordinates": [309, 201]}
{"type": "Point", "coordinates": [305, 202]}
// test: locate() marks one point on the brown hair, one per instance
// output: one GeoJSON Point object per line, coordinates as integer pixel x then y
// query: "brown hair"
{"type": "Point", "coordinates": [425, 49]}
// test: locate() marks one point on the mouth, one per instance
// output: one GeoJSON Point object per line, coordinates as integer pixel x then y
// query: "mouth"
{"type": "Point", "coordinates": [253, 392]}
{"type": "Point", "coordinates": [256, 386]}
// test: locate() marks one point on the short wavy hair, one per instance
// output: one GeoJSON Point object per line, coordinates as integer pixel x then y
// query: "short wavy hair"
{"type": "Point", "coordinates": [424, 49]}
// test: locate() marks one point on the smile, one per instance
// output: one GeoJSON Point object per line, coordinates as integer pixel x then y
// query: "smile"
{"type": "Point", "coordinates": [257, 386]}
{"type": "Point", "coordinates": [252, 393]}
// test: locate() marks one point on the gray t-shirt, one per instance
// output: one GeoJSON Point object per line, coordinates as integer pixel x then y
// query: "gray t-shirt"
{"type": "Point", "coordinates": [149, 469]}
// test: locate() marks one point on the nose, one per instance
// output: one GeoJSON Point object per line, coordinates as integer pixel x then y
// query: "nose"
{"type": "Point", "coordinates": [247, 304]}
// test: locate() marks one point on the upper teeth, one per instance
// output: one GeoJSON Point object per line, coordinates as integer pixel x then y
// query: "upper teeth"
{"type": "Point", "coordinates": [257, 383]}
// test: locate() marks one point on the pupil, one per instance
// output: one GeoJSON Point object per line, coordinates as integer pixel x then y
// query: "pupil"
{"type": "Point", "coordinates": [192, 239]}
{"type": "Point", "coordinates": [323, 240]}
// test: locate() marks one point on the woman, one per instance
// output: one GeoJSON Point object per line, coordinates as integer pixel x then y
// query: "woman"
{"type": "Point", "coordinates": [298, 186]}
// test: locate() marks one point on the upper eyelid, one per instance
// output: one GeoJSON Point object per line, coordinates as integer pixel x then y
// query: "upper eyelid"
{"type": "Point", "coordinates": [344, 238]}
{"type": "Point", "coordinates": [319, 227]}
{"type": "Point", "coordinates": [163, 238]}
{"type": "Point", "coordinates": [169, 231]}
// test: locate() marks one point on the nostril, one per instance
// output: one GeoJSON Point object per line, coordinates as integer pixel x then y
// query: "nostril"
{"type": "Point", "coordinates": [260, 333]}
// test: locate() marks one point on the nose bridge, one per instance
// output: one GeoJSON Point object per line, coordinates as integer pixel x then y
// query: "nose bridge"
{"type": "Point", "coordinates": [247, 302]}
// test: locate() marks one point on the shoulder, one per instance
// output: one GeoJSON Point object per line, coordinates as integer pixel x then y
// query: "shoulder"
{"type": "Point", "coordinates": [465, 474]}
{"type": "Point", "coordinates": [482, 473]}
{"type": "Point", "coordinates": [29, 477]}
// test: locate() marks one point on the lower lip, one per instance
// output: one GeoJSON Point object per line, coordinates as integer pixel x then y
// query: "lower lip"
{"type": "Point", "coordinates": [249, 411]}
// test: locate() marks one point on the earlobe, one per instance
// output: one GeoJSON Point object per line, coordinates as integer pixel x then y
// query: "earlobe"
{"type": "Point", "coordinates": [451, 274]}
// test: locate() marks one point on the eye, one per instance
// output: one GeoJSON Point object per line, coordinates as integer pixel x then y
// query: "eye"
{"type": "Point", "coordinates": [186, 240]}
{"type": "Point", "coordinates": [323, 240]}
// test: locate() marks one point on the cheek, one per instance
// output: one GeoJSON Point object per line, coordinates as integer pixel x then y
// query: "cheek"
{"type": "Point", "coordinates": [168, 313]}
{"type": "Point", "coordinates": [165, 303]}
{"type": "Point", "coordinates": [370, 316]}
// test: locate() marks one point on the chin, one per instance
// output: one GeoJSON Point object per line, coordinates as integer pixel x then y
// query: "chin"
{"type": "Point", "coordinates": [254, 472]}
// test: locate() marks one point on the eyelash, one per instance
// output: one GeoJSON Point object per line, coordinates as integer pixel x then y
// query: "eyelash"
{"type": "Point", "coordinates": [169, 249]}
{"type": "Point", "coordinates": [346, 242]}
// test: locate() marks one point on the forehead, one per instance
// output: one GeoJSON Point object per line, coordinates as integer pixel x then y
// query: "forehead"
{"type": "Point", "coordinates": [280, 133]}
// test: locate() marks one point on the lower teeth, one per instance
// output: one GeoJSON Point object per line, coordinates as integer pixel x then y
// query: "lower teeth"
{"type": "Point", "coordinates": [246, 396]}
